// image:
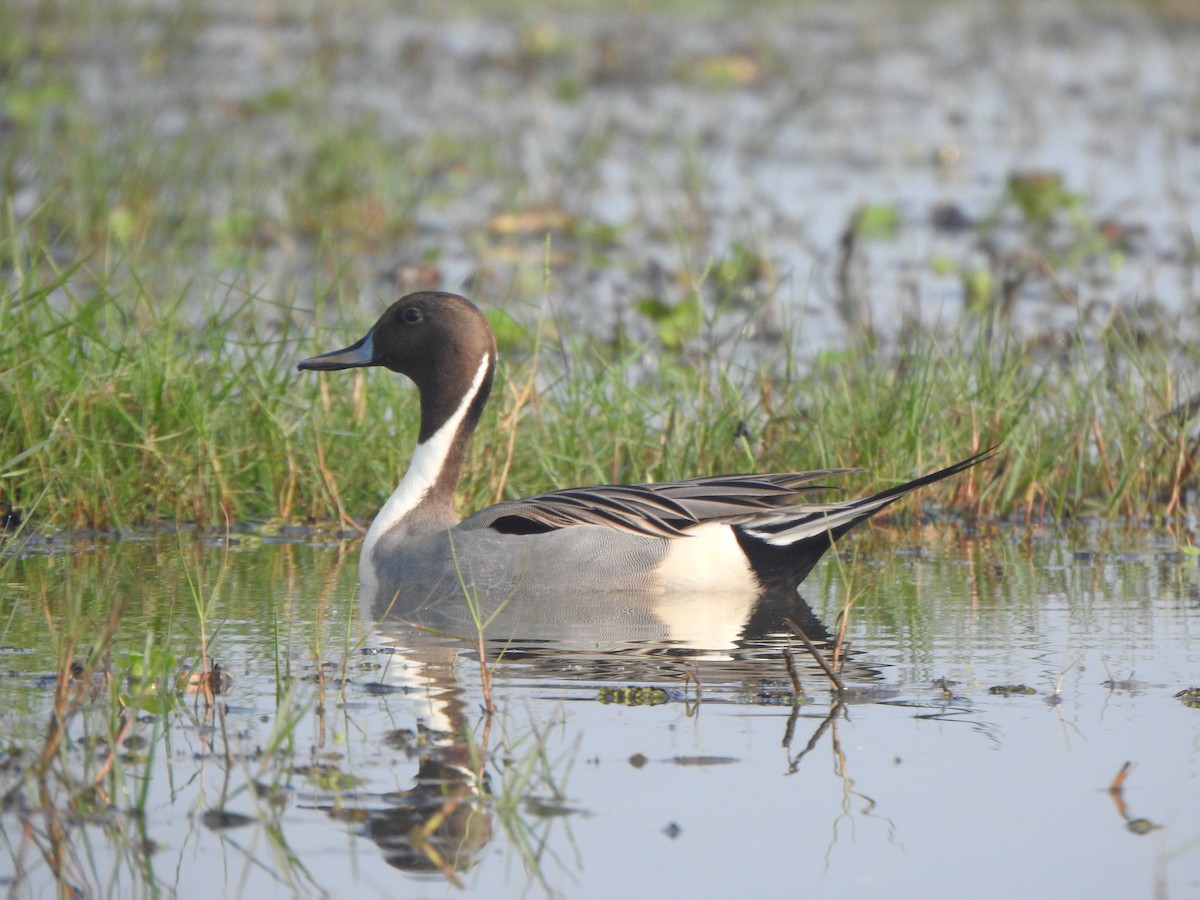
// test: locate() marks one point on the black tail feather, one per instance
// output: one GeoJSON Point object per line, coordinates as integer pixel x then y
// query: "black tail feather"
{"type": "Point", "coordinates": [788, 565]}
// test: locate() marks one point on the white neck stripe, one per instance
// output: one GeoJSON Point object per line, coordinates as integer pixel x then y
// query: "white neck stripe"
{"type": "Point", "coordinates": [428, 460]}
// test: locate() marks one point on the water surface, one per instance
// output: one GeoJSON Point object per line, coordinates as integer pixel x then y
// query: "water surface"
{"type": "Point", "coordinates": [924, 782]}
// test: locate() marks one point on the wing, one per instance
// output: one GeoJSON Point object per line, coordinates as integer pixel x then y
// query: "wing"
{"type": "Point", "coordinates": [657, 510]}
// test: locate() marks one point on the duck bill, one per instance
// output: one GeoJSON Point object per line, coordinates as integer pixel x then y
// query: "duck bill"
{"type": "Point", "coordinates": [357, 354]}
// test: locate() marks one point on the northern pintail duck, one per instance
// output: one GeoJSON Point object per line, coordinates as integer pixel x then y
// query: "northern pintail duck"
{"type": "Point", "coordinates": [722, 536]}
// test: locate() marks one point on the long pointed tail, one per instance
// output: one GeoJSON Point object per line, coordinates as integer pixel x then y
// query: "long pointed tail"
{"type": "Point", "coordinates": [789, 547]}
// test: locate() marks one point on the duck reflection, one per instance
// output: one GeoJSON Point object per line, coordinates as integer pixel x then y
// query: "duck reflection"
{"type": "Point", "coordinates": [443, 822]}
{"type": "Point", "coordinates": [570, 616]}
{"type": "Point", "coordinates": [439, 825]}
{"type": "Point", "coordinates": [608, 637]}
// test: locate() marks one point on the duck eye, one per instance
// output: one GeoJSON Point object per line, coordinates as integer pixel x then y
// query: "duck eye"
{"type": "Point", "coordinates": [412, 315]}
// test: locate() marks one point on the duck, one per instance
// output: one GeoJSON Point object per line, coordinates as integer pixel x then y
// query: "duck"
{"type": "Point", "coordinates": [617, 553]}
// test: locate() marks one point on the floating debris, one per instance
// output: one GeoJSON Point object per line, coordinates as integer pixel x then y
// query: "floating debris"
{"type": "Point", "coordinates": [704, 760]}
{"type": "Point", "coordinates": [1008, 690]}
{"type": "Point", "coordinates": [1190, 697]}
{"type": "Point", "coordinates": [634, 696]}
{"type": "Point", "coordinates": [1142, 826]}
{"type": "Point", "coordinates": [327, 777]}
{"type": "Point", "coordinates": [220, 819]}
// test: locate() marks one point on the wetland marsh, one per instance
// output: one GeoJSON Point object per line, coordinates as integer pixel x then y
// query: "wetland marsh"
{"type": "Point", "coordinates": [879, 235]}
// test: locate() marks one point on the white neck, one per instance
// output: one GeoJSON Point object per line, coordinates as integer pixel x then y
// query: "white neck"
{"type": "Point", "coordinates": [428, 460]}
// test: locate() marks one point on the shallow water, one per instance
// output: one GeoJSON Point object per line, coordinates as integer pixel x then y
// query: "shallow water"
{"type": "Point", "coordinates": [924, 783]}
{"type": "Point", "coordinates": [671, 141]}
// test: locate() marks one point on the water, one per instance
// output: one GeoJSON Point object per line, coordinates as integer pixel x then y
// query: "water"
{"type": "Point", "coordinates": [924, 783]}
{"type": "Point", "coordinates": [607, 119]}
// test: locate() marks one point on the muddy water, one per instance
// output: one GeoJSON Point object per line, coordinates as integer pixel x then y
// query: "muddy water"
{"type": "Point", "coordinates": [654, 768]}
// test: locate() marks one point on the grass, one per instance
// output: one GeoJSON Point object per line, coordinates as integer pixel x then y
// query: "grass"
{"type": "Point", "coordinates": [147, 358]}
{"type": "Point", "coordinates": [122, 412]}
